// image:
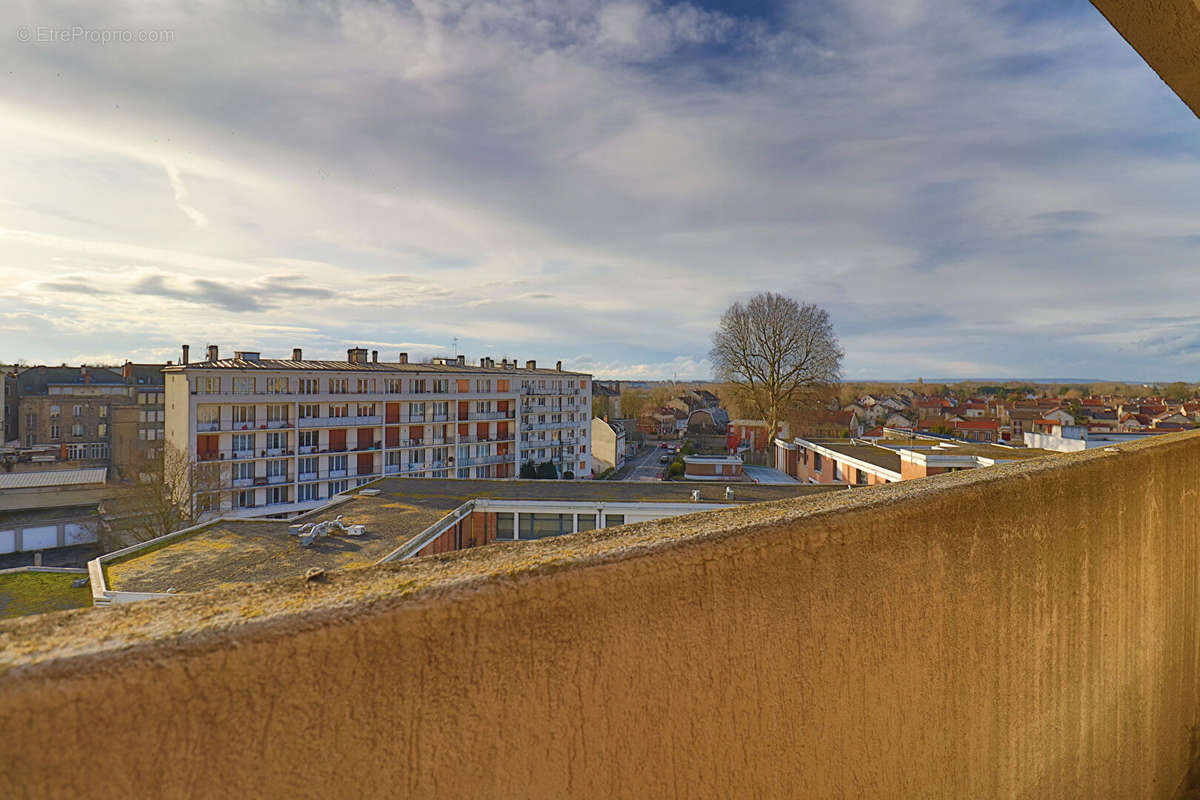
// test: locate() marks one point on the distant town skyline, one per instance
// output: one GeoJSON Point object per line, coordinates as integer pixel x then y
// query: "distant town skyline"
{"type": "Point", "coordinates": [971, 191]}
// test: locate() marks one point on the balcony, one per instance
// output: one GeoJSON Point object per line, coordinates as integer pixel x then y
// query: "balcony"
{"type": "Point", "coordinates": [337, 473]}
{"type": "Point", "coordinates": [391, 469]}
{"type": "Point", "coordinates": [205, 427]}
{"type": "Point", "coordinates": [239, 483]}
{"type": "Point", "coordinates": [491, 415]}
{"type": "Point", "coordinates": [275, 424]}
{"type": "Point", "coordinates": [306, 449]}
{"type": "Point", "coordinates": [308, 476]}
{"type": "Point", "coordinates": [275, 479]}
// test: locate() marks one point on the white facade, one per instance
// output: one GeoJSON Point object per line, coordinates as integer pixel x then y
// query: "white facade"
{"type": "Point", "coordinates": [284, 436]}
{"type": "Point", "coordinates": [608, 445]}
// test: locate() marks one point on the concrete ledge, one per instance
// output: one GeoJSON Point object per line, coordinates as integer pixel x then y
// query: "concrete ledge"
{"type": "Point", "coordinates": [1028, 630]}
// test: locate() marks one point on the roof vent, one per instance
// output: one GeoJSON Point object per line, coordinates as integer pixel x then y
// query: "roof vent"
{"type": "Point", "coordinates": [247, 355]}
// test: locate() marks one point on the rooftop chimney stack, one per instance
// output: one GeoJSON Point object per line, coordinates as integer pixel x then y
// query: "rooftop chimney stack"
{"type": "Point", "coordinates": [402, 358]}
{"type": "Point", "coordinates": [531, 364]}
{"type": "Point", "coordinates": [558, 366]}
{"type": "Point", "coordinates": [184, 360]}
{"type": "Point", "coordinates": [212, 352]}
{"type": "Point", "coordinates": [461, 361]}
{"type": "Point", "coordinates": [297, 354]}
{"type": "Point", "coordinates": [356, 355]}
{"type": "Point", "coordinates": [504, 363]}
{"type": "Point", "coordinates": [127, 370]}
{"type": "Point", "coordinates": [374, 356]}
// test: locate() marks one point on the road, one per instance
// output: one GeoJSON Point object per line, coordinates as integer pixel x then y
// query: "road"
{"type": "Point", "coordinates": [645, 464]}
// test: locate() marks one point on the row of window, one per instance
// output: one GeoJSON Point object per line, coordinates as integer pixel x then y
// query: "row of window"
{"type": "Point", "coordinates": [252, 384]}
{"type": "Point", "coordinates": [78, 430]}
{"type": "Point", "coordinates": [76, 411]}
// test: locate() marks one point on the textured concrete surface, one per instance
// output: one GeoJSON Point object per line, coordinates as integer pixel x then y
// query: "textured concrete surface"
{"type": "Point", "coordinates": [1166, 33]}
{"type": "Point", "coordinates": [1024, 631]}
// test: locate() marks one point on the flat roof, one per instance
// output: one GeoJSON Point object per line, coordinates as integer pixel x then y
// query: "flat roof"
{"type": "Point", "coordinates": [56, 477]}
{"type": "Point", "coordinates": [878, 456]}
{"type": "Point", "coordinates": [231, 552]}
{"type": "Point", "coordinates": [365, 366]}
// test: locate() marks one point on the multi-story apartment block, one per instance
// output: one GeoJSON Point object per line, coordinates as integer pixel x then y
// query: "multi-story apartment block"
{"type": "Point", "coordinates": [277, 436]}
{"type": "Point", "coordinates": [8, 404]}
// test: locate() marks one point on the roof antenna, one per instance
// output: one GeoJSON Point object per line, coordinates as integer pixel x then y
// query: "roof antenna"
{"type": "Point", "coordinates": [456, 347]}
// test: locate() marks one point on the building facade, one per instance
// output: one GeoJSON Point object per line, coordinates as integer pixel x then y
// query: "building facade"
{"type": "Point", "coordinates": [75, 410]}
{"type": "Point", "coordinates": [278, 436]}
{"type": "Point", "coordinates": [608, 445]}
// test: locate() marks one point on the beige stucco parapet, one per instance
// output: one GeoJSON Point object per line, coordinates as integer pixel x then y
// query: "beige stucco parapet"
{"type": "Point", "coordinates": [1028, 630]}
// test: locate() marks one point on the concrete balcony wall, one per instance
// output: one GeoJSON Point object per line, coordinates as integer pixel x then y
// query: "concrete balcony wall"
{"type": "Point", "coordinates": [1025, 631]}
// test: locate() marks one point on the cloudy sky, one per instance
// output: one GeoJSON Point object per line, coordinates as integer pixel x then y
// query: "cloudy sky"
{"type": "Point", "coordinates": [975, 189]}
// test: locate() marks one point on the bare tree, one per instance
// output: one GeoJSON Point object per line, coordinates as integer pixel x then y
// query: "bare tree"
{"type": "Point", "coordinates": [779, 355]}
{"type": "Point", "coordinates": [161, 496]}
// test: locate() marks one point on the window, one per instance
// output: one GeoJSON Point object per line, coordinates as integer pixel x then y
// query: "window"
{"type": "Point", "coordinates": [309, 411]}
{"type": "Point", "coordinates": [207, 415]}
{"type": "Point", "coordinates": [366, 409]}
{"type": "Point", "coordinates": [817, 461]}
{"type": "Point", "coordinates": [277, 495]}
{"type": "Point", "coordinates": [102, 430]}
{"type": "Point", "coordinates": [53, 430]}
{"type": "Point", "coordinates": [277, 385]}
{"type": "Point", "coordinates": [613, 520]}
{"type": "Point", "coordinates": [393, 385]}
{"type": "Point", "coordinates": [339, 412]}
{"type": "Point", "coordinates": [243, 442]}
{"type": "Point", "coordinates": [277, 468]}
{"type": "Point", "coordinates": [243, 415]}
{"type": "Point", "coordinates": [243, 471]}
{"type": "Point", "coordinates": [308, 466]}
{"type": "Point", "coordinates": [54, 412]}
{"type": "Point", "coordinates": [310, 439]}
{"type": "Point", "coordinates": [337, 487]}
{"type": "Point", "coordinates": [243, 385]}
{"type": "Point", "coordinates": [309, 386]}
{"type": "Point", "coordinates": [587, 522]}
{"type": "Point", "coordinates": [860, 477]}
{"type": "Point", "coordinates": [504, 526]}
{"type": "Point", "coordinates": [339, 385]}
{"type": "Point", "coordinates": [309, 491]}
{"type": "Point", "coordinates": [441, 411]}
{"type": "Point", "coordinates": [244, 499]}
{"type": "Point", "coordinates": [276, 441]}
{"type": "Point", "coordinates": [416, 412]}
{"type": "Point", "coordinates": [77, 429]}
{"type": "Point", "coordinates": [483, 385]}
{"type": "Point", "coordinates": [417, 386]}
{"type": "Point", "coordinates": [277, 414]}
{"type": "Point", "coordinates": [208, 385]}
{"type": "Point", "coordinates": [337, 463]}
{"type": "Point", "coordinates": [77, 411]}
{"type": "Point", "coordinates": [441, 385]}
{"type": "Point", "coordinates": [366, 385]}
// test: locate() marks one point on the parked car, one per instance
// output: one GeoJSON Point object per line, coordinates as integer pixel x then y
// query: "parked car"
{"type": "Point", "coordinates": [664, 459]}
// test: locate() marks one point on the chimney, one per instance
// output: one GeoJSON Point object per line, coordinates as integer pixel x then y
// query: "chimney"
{"type": "Point", "coordinates": [184, 360]}
{"type": "Point", "coordinates": [558, 366]}
{"type": "Point", "coordinates": [504, 363]}
{"type": "Point", "coordinates": [212, 352]}
{"type": "Point", "coordinates": [356, 355]}
{"type": "Point", "coordinates": [297, 354]}
{"type": "Point", "coordinates": [461, 361]}
{"type": "Point", "coordinates": [402, 358]}
{"type": "Point", "coordinates": [531, 364]}
{"type": "Point", "coordinates": [87, 376]}
{"type": "Point", "coordinates": [374, 356]}
{"type": "Point", "coordinates": [127, 370]}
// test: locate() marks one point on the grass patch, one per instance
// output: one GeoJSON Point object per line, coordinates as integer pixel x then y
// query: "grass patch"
{"type": "Point", "coordinates": [24, 593]}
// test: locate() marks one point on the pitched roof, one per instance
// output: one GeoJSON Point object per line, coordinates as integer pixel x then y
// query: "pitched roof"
{"type": "Point", "coordinates": [58, 477]}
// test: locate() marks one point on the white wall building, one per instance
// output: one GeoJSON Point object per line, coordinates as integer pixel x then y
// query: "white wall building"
{"type": "Point", "coordinates": [608, 445]}
{"type": "Point", "coordinates": [280, 436]}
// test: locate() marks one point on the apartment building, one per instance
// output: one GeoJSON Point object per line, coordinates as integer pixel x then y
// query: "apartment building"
{"type": "Point", "coordinates": [102, 416]}
{"type": "Point", "coordinates": [279, 436]}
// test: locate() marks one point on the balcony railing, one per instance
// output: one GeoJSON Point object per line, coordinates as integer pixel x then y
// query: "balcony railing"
{"type": "Point", "coordinates": [338, 422]}
{"type": "Point", "coordinates": [273, 479]}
